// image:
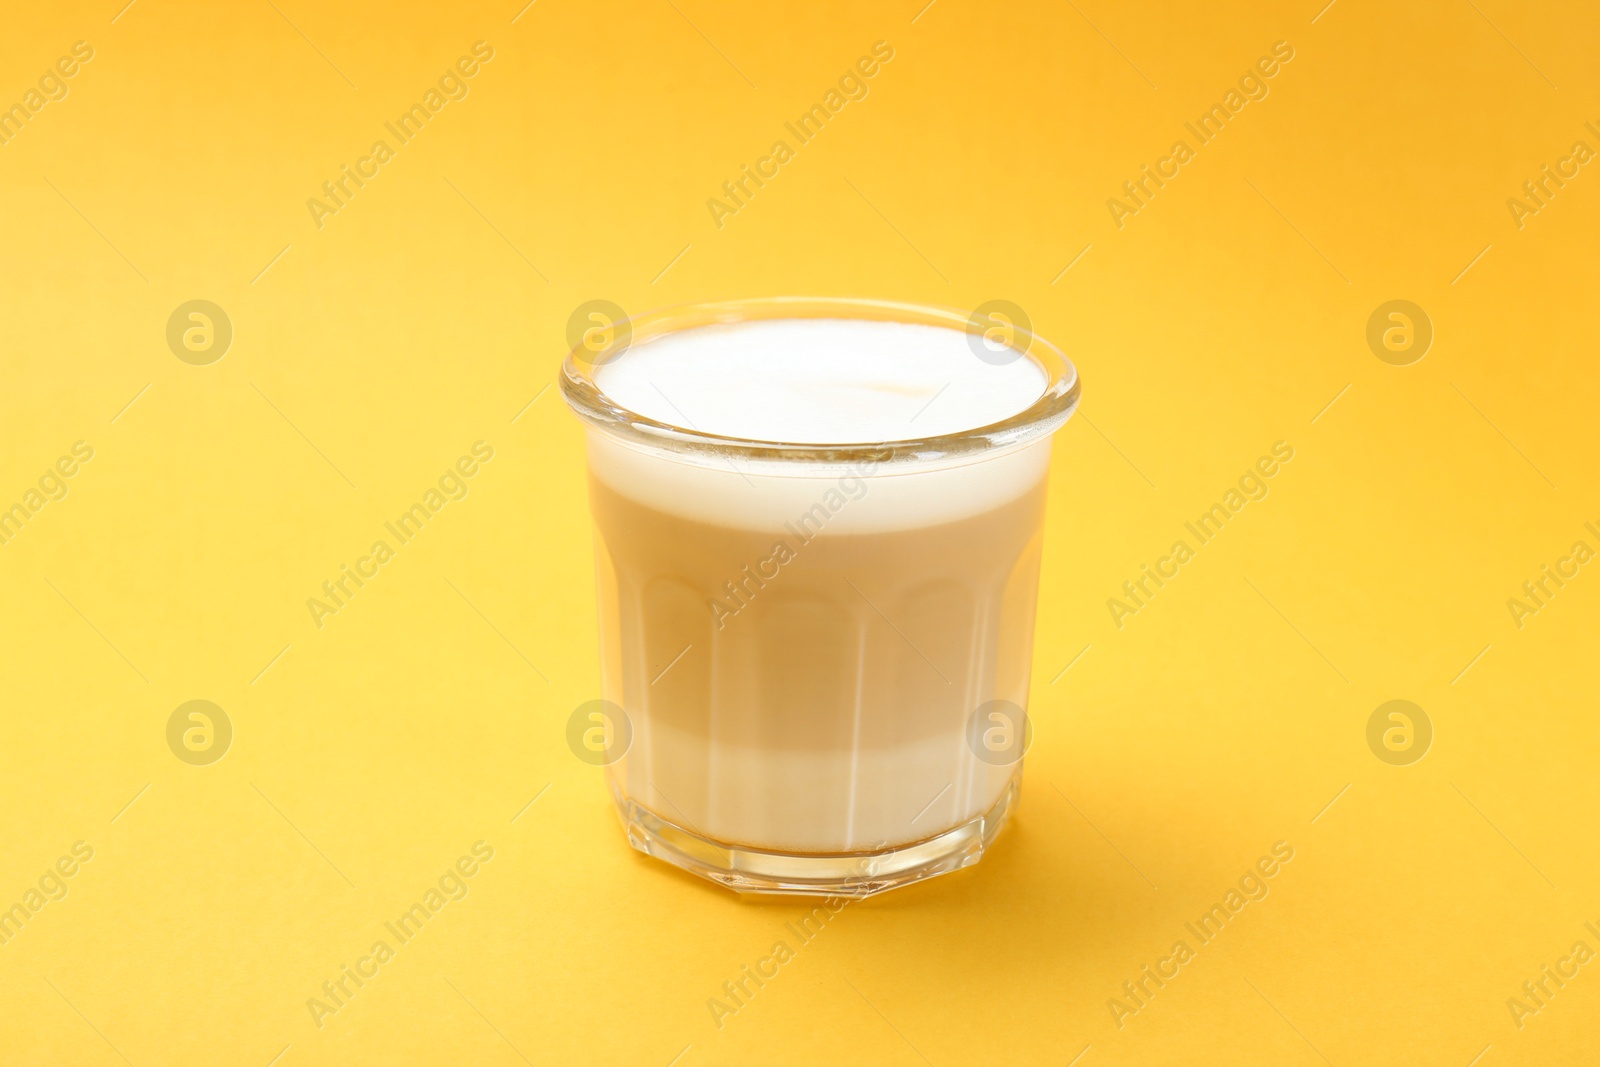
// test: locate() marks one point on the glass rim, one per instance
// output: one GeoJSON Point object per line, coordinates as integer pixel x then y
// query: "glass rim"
{"type": "Point", "coordinates": [582, 392]}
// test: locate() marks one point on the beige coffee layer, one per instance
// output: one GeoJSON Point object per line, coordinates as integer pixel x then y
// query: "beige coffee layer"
{"type": "Point", "coordinates": [809, 688]}
{"type": "Point", "coordinates": [865, 497]}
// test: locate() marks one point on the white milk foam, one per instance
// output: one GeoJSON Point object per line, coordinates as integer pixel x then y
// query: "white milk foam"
{"type": "Point", "coordinates": [823, 382]}
{"type": "Point", "coordinates": [820, 381]}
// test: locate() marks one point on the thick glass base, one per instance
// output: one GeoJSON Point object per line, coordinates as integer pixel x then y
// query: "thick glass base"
{"type": "Point", "coordinates": [853, 874]}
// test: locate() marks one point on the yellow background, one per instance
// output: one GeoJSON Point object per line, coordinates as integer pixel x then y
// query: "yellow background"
{"type": "Point", "coordinates": [1222, 718]}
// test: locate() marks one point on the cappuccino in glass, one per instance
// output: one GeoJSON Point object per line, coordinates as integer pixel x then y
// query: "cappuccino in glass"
{"type": "Point", "coordinates": [818, 530]}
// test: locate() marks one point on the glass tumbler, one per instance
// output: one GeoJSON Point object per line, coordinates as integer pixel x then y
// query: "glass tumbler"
{"type": "Point", "coordinates": [815, 658]}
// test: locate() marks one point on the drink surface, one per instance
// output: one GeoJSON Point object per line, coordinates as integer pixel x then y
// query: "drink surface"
{"type": "Point", "coordinates": [820, 381]}
{"type": "Point", "coordinates": [816, 381]}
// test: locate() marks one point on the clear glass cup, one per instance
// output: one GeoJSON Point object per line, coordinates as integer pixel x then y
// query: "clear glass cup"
{"type": "Point", "coordinates": [815, 658]}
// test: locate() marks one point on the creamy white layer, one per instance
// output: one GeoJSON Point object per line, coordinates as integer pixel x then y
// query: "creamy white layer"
{"type": "Point", "coordinates": [818, 381]}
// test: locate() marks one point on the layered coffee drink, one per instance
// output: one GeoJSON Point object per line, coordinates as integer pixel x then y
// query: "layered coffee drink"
{"type": "Point", "coordinates": [817, 548]}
